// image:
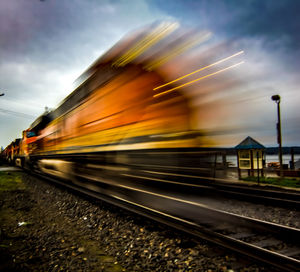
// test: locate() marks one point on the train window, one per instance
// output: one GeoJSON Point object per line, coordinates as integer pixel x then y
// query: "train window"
{"type": "Point", "coordinates": [30, 134]}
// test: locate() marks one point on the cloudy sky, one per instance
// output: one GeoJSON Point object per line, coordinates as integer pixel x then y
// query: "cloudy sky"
{"type": "Point", "coordinates": [46, 45]}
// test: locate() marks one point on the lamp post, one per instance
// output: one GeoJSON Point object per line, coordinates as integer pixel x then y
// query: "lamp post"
{"type": "Point", "coordinates": [276, 98]}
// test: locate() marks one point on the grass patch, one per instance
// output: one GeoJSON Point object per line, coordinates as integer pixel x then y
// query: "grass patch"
{"type": "Point", "coordinates": [10, 181]}
{"type": "Point", "coordinates": [286, 182]}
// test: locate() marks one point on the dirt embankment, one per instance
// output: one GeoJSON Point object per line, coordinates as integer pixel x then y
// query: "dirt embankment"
{"type": "Point", "coordinates": [37, 236]}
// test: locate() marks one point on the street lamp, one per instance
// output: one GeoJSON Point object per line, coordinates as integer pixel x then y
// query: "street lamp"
{"type": "Point", "coordinates": [276, 98]}
{"type": "Point", "coordinates": [1, 94]}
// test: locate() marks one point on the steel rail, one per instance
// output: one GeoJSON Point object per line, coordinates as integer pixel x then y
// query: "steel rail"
{"type": "Point", "coordinates": [261, 194]}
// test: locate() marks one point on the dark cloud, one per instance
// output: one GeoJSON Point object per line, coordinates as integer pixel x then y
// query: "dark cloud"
{"type": "Point", "coordinates": [275, 24]}
{"type": "Point", "coordinates": [268, 18]}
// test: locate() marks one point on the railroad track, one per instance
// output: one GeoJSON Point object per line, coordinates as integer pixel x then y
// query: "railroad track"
{"type": "Point", "coordinates": [184, 181]}
{"type": "Point", "coordinates": [267, 242]}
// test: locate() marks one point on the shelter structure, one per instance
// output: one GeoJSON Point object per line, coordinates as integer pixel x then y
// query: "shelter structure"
{"type": "Point", "coordinates": [250, 156]}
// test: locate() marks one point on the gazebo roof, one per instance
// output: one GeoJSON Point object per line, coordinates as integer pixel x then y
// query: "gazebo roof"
{"type": "Point", "coordinates": [249, 143]}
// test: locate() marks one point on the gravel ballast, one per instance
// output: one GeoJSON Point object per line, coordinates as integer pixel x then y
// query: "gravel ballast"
{"type": "Point", "coordinates": [45, 228]}
{"type": "Point", "coordinates": [278, 215]}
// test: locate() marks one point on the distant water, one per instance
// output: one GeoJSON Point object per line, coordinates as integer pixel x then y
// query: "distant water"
{"type": "Point", "coordinates": [269, 158]}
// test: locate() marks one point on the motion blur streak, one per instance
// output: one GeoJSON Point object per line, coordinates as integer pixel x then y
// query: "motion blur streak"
{"type": "Point", "coordinates": [156, 35]}
{"type": "Point", "coordinates": [111, 122]}
{"type": "Point", "coordinates": [201, 69]}
{"type": "Point", "coordinates": [154, 210]}
{"type": "Point", "coordinates": [193, 81]}
{"type": "Point", "coordinates": [188, 44]}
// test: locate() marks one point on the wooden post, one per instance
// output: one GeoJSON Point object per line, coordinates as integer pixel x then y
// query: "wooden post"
{"type": "Point", "coordinates": [251, 162]}
{"type": "Point", "coordinates": [292, 159]}
{"type": "Point", "coordinates": [263, 162]}
{"type": "Point", "coordinates": [257, 158]}
{"type": "Point", "coordinates": [238, 164]}
{"type": "Point", "coordinates": [224, 162]}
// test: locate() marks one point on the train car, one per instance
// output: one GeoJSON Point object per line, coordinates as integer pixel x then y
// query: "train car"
{"type": "Point", "coordinates": [22, 157]}
{"type": "Point", "coordinates": [12, 151]}
{"type": "Point", "coordinates": [5, 153]}
{"type": "Point", "coordinates": [121, 114]}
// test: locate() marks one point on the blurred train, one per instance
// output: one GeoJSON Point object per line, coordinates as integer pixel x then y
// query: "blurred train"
{"type": "Point", "coordinates": [124, 114]}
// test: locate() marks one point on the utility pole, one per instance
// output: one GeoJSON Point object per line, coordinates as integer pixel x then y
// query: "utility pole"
{"type": "Point", "coordinates": [276, 98]}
